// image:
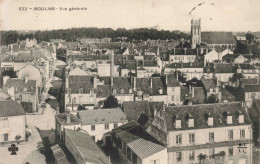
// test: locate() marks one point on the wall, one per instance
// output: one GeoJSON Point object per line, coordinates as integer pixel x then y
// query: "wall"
{"type": "Point", "coordinates": [162, 156]}
{"type": "Point", "coordinates": [176, 92]}
{"type": "Point", "coordinates": [16, 126]}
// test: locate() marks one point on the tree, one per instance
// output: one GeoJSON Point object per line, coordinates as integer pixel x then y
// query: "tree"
{"type": "Point", "coordinates": [111, 102]}
{"type": "Point", "coordinates": [17, 138]}
{"type": "Point", "coordinates": [9, 73]}
{"type": "Point", "coordinates": [236, 76]}
{"type": "Point", "coordinates": [211, 99]}
{"type": "Point", "coordinates": [201, 157]}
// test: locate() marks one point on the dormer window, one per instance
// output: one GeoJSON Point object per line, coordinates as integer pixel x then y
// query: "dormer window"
{"type": "Point", "coordinates": [191, 123]}
{"type": "Point", "coordinates": [122, 90]}
{"type": "Point", "coordinates": [139, 93]}
{"type": "Point", "coordinates": [80, 90]}
{"type": "Point", "coordinates": [114, 91]}
{"type": "Point", "coordinates": [178, 124]}
{"type": "Point", "coordinates": [130, 90]}
{"type": "Point", "coordinates": [241, 119]}
{"type": "Point", "coordinates": [210, 121]}
{"type": "Point", "coordinates": [160, 90]}
{"type": "Point", "coordinates": [211, 90]}
{"type": "Point", "coordinates": [229, 120]}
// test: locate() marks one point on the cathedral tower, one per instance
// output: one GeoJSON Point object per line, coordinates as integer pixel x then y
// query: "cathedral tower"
{"type": "Point", "coordinates": [195, 32]}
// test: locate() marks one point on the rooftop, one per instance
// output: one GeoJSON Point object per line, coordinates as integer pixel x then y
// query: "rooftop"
{"type": "Point", "coordinates": [102, 116]}
{"type": "Point", "coordinates": [217, 38]}
{"type": "Point", "coordinates": [10, 108]}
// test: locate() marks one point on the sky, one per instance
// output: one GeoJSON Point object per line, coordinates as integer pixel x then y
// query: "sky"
{"type": "Point", "coordinates": [216, 15]}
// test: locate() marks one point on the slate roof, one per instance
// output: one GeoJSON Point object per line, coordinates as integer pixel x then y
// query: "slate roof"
{"type": "Point", "coordinates": [253, 81]}
{"type": "Point", "coordinates": [84, 82]}
{"type": "Point", "coordinates": [144, 120]}
{"type": "Point", "coordinates": [158, 82]}
{"type": "Point", "coordinates": [198, 112]}
{"type": "Point", "coordinates": [223, 68]}
{"type": "Point", "coordinates": [102, 116]}
{"type": "Point", "coordinates": [208, 83]}
{"type": "Point", "coordinates": [217, 38]}
{"type": "Point", "coordinates": [245, 66]}
{"type": "Point", "coordinates": [140, 142]}
{"type": "Point", "coordinates": [172, 81]}
{"type": "Point", "coordinates": [62, 119]}
{"type": "Point", "coordinates": [186, 65]}
{"type": "Point", "coordinates": [252, 88]}
{"type": "Point", "coordinates": [20, 85]}
{"type": "Point", "coordinates": [88, 149]}
{"type": "Point", "coordinates": [121, 83]}
{"type": "Point", "coordinates": [143, 84]}
{"type": "Point", "coordinates": [232, 57]}
{"type": "Point", "coordinates": [10, 108]}
{"type": "Point", "coordinates": [199, 95]}
{"type": "Point", "coordinates": [133, 109]}
{"type": "Point", "coordinates": [181, 51]}
{"type": "Point", "coordinates": [103, 90]}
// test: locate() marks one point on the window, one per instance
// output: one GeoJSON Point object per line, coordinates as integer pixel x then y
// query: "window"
{"type": "Point", "coordinates": [74, 99]}
{"type": "Point", "coordinates": [230, 151]}
{"type": "Point", "coordinates": [178, 123]}
{"type": "Point", "coordinates": [173, 89]}
{"type": "Point", "coordinates": [230, 135]}
{"type": "Point", "coordinates": [192, 155]}
{"type": "Point", "coordinates": [178, 139]}
{"type": "Point", "coordinates": [6, 137]}
{"type": "Point", "coordinates": [178, 156]}
{"type": "Point", "coordinates": [115, 125]}
{"type": "Point", "coordinates": [191, 123]}
{"type": "Point", "coordinates": [157, 161]}
{"type": "Point", "coordinates": [242, 134]}
{"type": "Point", "coordinates": [93, 127]}
{"type": "Point", "coordinates": [191, 138]}
{"type": "Point", "coordinates": [210, 121]}
{"type": "Point", "coordinates": [229, 119]}
{"type": "Point", "coordinates": [173, 98]}
{"type": "Point", "coordinates": [241, 119]}
{"type": "Point", "coordinates": [106, 126]}
{"type": "Point", "coordinates": [211, 137]}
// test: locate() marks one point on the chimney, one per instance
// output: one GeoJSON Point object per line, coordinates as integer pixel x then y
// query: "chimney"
{"type": "Point", "coordinates": [67, 81]}
{"type": "Point", "coordinates": [189, 88]}
{"type": "Point", "coordinates": [166, 79]}
{"type": "Point", "coordinates": [68, 117]}
{"type": "Point", "coordinates": [5, 78]}
{"type": "Point", "coordinates": [201, 50]}
{"type": "Point", "coordinates": [151, 82]}
{"type": "Point", "coordinates": [134, 83]}
{"type": "Point", "coordinates": [112, 64]}
{"type": "Point", "coordinates": [26, 79]}
{"type": "Point", "coordinates": [95, 82]}
{"type": "Point", "coordinates": [112, 81]}
{"type": "Point", "coordinates": [207, 51]}
{"type": "Point", "coordinates": [192, 91]}
{"type": "Point", "coordinates": [177, 76]}
{"type": "Point", "coordinates": [57, 109]}
{"type": "Point", "coordinates": [185, 51]}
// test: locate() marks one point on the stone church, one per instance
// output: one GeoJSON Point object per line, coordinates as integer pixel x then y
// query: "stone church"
{"type": "Point", "coordinates": [210, 39]}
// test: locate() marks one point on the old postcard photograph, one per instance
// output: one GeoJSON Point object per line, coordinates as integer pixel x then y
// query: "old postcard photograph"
{"type": "Point", "coordinates": [129, 81]}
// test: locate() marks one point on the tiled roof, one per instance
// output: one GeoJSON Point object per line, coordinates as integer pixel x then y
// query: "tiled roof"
{"type": "Point", "coordinates": [102, 116]}
{"type": "Point", "coordinates": [20, 85]}
{"type": "Point", "coordinates": [10, 108]}
{"type": "Point", "coordinates": [88, 149]}
{"type": "Point", "coordinates": [140, 142]}
{"type": "Point", "coordinates": [217, 38]}
{"type": "Point", "coordinates": [84, 82]}
{"type": "Point", "coordinates": [172, 81]}
{"type": "Point", "coordinates": [198, 112]}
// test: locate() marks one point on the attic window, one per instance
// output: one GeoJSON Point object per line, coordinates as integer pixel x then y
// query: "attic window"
{"type": "Point", "coordinates": [178, 124]}
{"type": "Point", "coordinates": [122, 90]}
{"type": "Point", "coordinates": [210, 121]}
{"type": "Point", "coordinates": [229, 120]}
{"type": "Point", "coordinates": [191, 123]}
{"type": "Point", "coordinates": [130, 90]}
{"type": "Point", "coordinates": [241, 119]}
{"type": "Point", "coordinates": [160, 90]}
